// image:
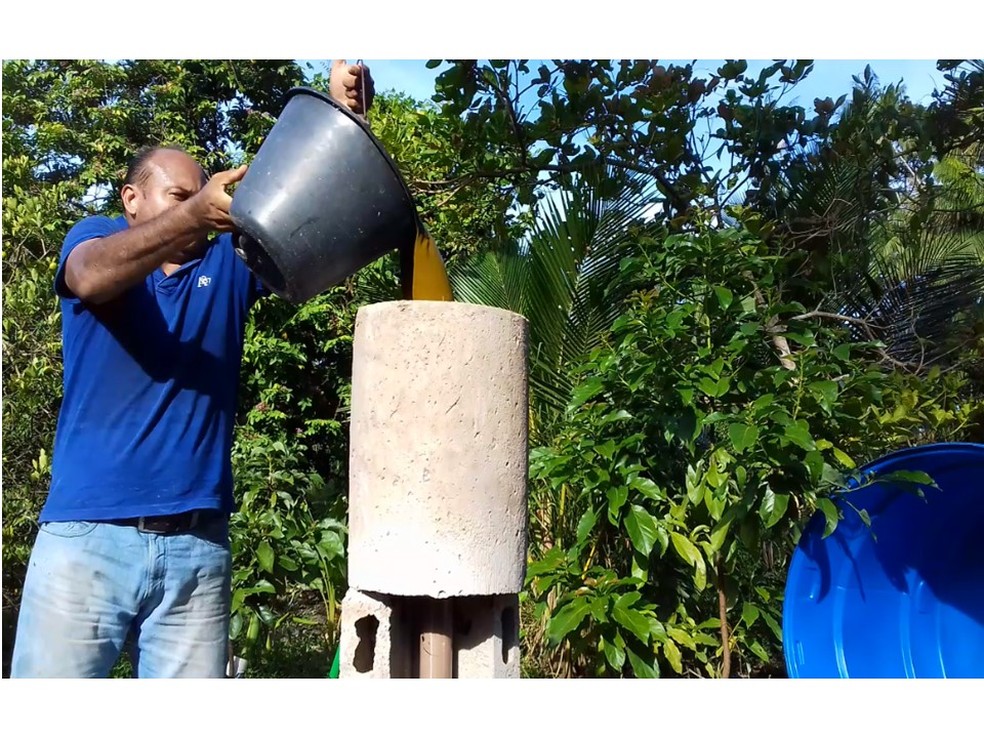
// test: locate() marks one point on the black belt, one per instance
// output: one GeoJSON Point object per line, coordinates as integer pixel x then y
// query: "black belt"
{"type": "Point", "coordinates": [177, 523]}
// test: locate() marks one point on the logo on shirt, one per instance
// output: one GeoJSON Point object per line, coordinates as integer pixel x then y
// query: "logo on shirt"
{"type": "Point", "coordinates": [204, 281]}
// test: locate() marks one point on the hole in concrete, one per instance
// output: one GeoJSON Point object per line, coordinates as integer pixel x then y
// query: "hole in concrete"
{"type": "Point", "coordinates": [365, 631]}
{"type": "Point", "coordinates": [508, 618]}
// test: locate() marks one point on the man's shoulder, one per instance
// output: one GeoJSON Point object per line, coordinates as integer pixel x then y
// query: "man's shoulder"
{"type": "Point", "coordinates": [94, 226]}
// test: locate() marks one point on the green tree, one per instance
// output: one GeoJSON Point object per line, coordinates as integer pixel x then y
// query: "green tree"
{"type": "Point", "coordinates": [691, 456]}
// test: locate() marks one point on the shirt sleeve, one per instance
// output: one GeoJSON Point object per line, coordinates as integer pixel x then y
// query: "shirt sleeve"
{"type": "Point", "coordinates": [96, 226]}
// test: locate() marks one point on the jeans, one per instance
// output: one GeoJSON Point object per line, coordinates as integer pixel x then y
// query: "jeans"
{"type": "Point", "coordinates": [94, 588]}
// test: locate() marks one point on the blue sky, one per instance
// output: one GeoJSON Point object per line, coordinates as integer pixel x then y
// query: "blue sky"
{"type": "Point", "coordinates": [830, 77]}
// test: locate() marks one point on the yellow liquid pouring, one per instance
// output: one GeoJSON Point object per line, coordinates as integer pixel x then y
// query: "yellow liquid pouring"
{"type": "Point", "coordinates": [427, 278]}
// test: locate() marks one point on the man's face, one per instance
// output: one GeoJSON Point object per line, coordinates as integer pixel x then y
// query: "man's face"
{"type": "Point", "coordinates": [172, 178]}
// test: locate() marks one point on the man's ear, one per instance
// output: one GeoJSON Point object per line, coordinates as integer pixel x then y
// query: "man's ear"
{"type": "Point", "coordinates": [130, 195]}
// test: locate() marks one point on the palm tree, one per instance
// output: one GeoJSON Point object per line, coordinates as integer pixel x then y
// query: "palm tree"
{"type": "Point", "coordinates": [899, 255]}
{"type": "Point", "coordinates": [565, 277]}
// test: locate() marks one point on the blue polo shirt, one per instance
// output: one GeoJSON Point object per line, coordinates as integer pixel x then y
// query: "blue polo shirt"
{"type": "Point", "coordinates": [150, 387]}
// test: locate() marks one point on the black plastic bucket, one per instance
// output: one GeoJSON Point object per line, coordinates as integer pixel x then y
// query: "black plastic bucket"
{"type": "Point", "coordinates": [321, 200]}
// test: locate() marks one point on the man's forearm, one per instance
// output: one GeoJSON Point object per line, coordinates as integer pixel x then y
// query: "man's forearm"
{"type": "Point", "coordinates": [99, 270]}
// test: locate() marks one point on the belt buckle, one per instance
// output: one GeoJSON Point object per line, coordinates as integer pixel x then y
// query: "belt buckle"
{"type": "Point", "coordinates": [167, 527]}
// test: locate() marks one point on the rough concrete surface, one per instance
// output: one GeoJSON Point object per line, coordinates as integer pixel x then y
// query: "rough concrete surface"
{"type": "Point", "coordinates": [438, 463]}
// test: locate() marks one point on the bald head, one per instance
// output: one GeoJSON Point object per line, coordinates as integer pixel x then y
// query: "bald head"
{"type": "Point", "coordinates": [154, 157]}
{"type": "Point", "coordinates": [158, 179]}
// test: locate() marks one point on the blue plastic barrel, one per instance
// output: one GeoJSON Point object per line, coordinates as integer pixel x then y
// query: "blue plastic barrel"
{"type": "Point", "coordinates": [908, 602]}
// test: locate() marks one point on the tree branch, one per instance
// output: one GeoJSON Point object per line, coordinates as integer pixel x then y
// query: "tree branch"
{"type": "Point", "coordinates": [869, 332]}
{"type": "Point", "coordinates": [723, 617]}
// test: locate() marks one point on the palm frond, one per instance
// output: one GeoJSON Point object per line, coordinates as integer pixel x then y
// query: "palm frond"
{"type": "Point", "coordinates": [919, 290]}
{"type": "Point", "coordinates": [565, 278]}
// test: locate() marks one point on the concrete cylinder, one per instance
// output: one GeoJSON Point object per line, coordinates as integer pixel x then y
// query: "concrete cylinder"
{"type": "Point", "coordinates": [439, 450]}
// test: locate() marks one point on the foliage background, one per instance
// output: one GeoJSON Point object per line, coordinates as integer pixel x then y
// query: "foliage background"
{"type": "Point", "coordinates": [715, 350]}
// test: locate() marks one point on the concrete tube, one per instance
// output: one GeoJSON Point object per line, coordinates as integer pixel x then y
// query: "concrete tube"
{"type": "Point", "coordinates": [439, 444]}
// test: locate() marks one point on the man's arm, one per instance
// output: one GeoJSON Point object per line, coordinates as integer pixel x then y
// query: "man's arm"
{"type": "Point", "coordinates": [100, 269]}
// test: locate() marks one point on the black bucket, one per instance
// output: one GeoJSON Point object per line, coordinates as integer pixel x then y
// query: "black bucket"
{"type": "Point", "coordinates": [321, 200]}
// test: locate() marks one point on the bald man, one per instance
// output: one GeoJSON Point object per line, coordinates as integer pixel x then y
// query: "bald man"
{"type": "Point", "coordinates": [133, 544]}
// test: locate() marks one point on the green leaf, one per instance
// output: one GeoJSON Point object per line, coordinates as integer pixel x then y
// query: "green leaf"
{"type": "Point", "coordinates": [616, 499]}
{"type": "Point", "coordinates": [641, 527]}
{"type": "Point", "coordinates": [682, 637]}
{"type": "Point", "coordinates": [606, 449]}
{"type": "Point", "coordinates": [749, 614]}
{"type": "Point", "coordinates": [586, 524]}
{"type": "Point", "coordinates": [641, 668]}
{"type": "Point", "coordinates": [763, 402]}
{"type": "Point", "coordinates": [773, 626]}
{"type": "Point", "coordinates": [640, 566]}
{"type": "Point", "coordinates": [235, 626]}
{"type": "Point", "coordinates": [264, 555]}
{"type": "Point", "coordinates": [585, 391]}
{"type": "Point", "coordinates": [908, 478]}
{"type": "Point", "coordinates": [724, 295]}
{"type": "Point", "coordinates": [865, 517]}
{"type": "Point", "coordinates": [756, 648]}
{"type": "Point", "coordinates": [686, 395]}
{"type": "Point", "coordinates": [768, 503]}
{"type": "Point", "coordinates": [614, 655]}
{"type": "Point", "coordinates": [261, 587]}
{"type": "Point", "coordinates": [826, 393]}
{"type": "Point", "coordinates": [566, 619]}
{"type": "Point", "coordinates": [628, 599]}
{"type": "Point", "coordinates": [718, 535]}
{"type": "Point", "coordinates": [663, 538]}
{"type": "Point", "coordinates": [331, 546]}
{"type": "Point", "coordinates": [814, 462]}
{"type": "Point", "coordinates": [714, 388]}
{"type": "Point", "coordinates": [743, 436]}
{"type": "Point", "coordinates": [648, 488]}
{"type": "Point", "coordinates": [733, 69]}
{"type": "Point", "coordinates": [672, 654]}
{"type": "Point", "coordinates": [689, 553]}
{"type": "Point", "coordinates": [844, 459]}
{"type": "Point", "coordinates": [634, 622]}
{"type": "Point", "coordinates": [798, 432]}
{"type": "Point", "coordinates": [778, 510]}
{"type": "Point", "coordinates": [695, 491]}
{"type": "Point", "coordinates": [552, 560]}
{"type": "Point", "coordinates": [829, 510]}
{"type": "Point", "coordinates": [599, 608]}
{"type": "Point", "coordinates": [716, 505]}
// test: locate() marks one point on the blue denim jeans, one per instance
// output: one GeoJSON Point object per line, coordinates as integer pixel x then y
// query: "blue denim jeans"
{"type": "Point", "coordinates": [94, 588]}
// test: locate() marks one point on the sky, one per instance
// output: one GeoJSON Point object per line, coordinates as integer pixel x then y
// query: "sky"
{"type": "Point", "coordinates": [830, 77]}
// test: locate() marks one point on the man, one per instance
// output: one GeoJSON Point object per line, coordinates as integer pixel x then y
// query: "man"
{"type": "Point", "coordinates": [133, 545]}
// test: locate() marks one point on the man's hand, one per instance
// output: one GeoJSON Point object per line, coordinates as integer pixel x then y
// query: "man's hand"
{"type": "Point", "coordinates": [346, 84]}
{"type": "Point", "coordinates": [101, 269]}
{"type": "Point", "coordinates": [211, 204]}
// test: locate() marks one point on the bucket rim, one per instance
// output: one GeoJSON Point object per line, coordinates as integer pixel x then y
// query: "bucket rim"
{"type": "Point", "coordinates": [917, 451]}
{"type": "Point", "coordinates": [324, 97]}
